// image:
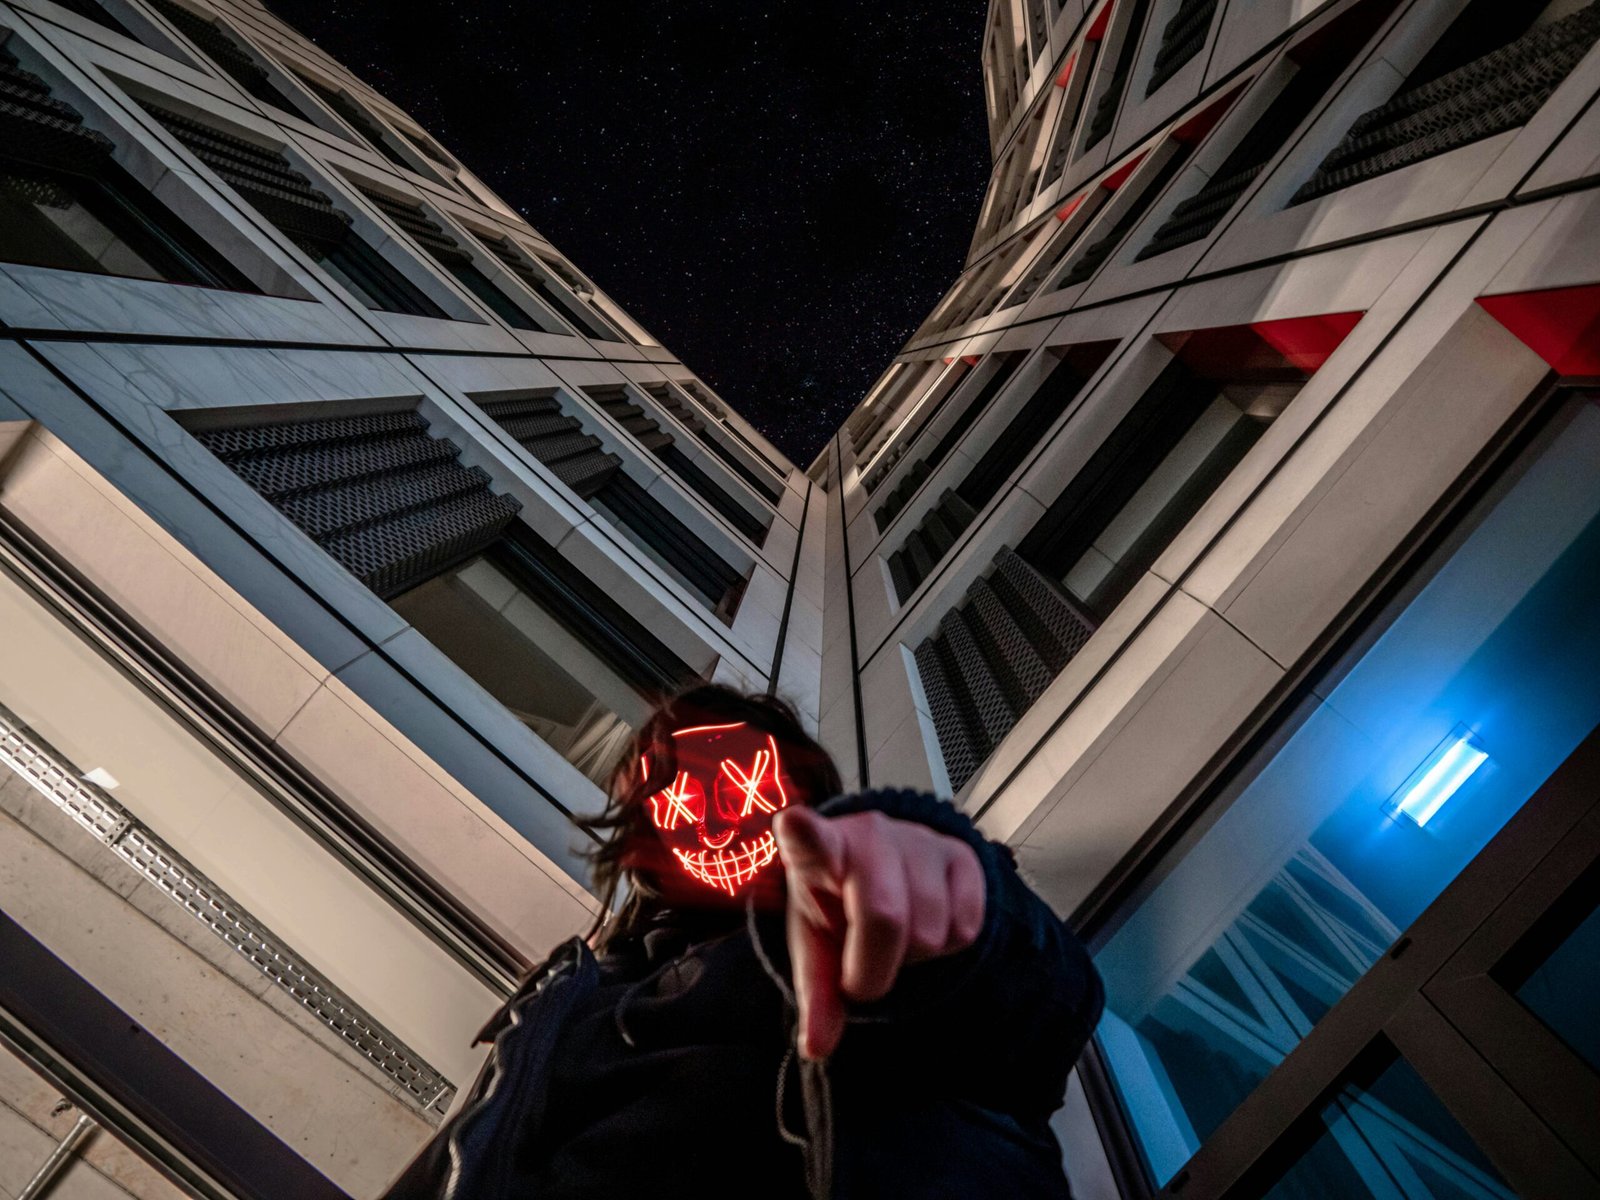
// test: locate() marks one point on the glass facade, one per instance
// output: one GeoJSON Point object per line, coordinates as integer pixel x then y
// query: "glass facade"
{"type": "Point", "coordinates": [1386, 1135]}
{"type": "Point", "coordinates": [1561, 991]}
{"type": "Point", "coordinates": [1397, 772]}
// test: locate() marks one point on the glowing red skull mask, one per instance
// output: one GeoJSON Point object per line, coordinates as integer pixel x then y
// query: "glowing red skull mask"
{"type": "Point", "coordinates": [716, 815]}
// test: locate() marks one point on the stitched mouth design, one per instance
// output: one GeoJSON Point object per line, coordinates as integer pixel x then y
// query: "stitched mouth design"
{"type": "Point", "coordinates": [717, 843]}
{"type": "Point", "coordinates": [729, 870]}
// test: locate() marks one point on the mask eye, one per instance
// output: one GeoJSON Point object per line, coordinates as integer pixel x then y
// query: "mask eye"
{"type": "Point", "coordinates": [682, 802]}
{"type": "Point", "coordinates": [756, 789]}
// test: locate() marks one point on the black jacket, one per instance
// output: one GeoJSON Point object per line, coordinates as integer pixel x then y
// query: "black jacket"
{"type": "Point", "coordinates": [665, 1070]}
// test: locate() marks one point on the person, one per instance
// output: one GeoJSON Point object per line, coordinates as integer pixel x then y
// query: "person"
{"type": "Point", "coordinates": [792, 992]}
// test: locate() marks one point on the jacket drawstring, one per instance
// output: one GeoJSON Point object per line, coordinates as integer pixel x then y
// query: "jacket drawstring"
{"type": "Point", "coordinates": [816, 1092]}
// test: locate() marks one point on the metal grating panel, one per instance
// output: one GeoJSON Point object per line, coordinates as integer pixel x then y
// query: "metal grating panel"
{"type": "Point", "coordinates": [1497, 92]}
{"type": "Point", "coordinates": [1058, 629]}
{"type": "Point", "coordinates": [556, 440]}
{"type": "Point", "coordinates": [1181, 40]}
{"type": "Point", "coordinates": [1026, 673]}
{"type": "Point", "coordinates": [631, 417]}
{"type": "Point", "coordinates": [37, 127]}
{"type": "Point", "coordinates": [992, 657]}
{"type": "Point", "coordinates": [392, 504]}
{"type": "Point", "coordinates": [960, 749]}
{"type": "Point", "coordinates": [225, 52]}
{"type": "Point", "coordinates": [158, 863]}
{"type": "Point", "coordinates": [416, 223]}
{"type": "Point", "coordinates": [263, 176]}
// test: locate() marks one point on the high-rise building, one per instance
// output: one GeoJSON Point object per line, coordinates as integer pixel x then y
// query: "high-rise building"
{"type": "Point", "coordinates": [1225, 542]}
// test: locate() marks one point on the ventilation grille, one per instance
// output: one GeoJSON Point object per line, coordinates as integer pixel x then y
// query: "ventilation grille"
{"type": "Point", "coordinates": [264, 177]}
{"type": "Point", "coordinates": [556, 440]}
{"type": "Point", "coordinates": [108, 822]}
{"type": "Point", "coordinates": [421, 229]}
{"type": "Point", "coordinates": [1497, 92]}
{"type": "Point", "coordinates": [992, 657]}
{"type": "Point", "coordinates": [1181, 40]}
{"type": "Point", "coordinates": [35, 126]}
{"type": "Point", "coordinates": [390, 503]}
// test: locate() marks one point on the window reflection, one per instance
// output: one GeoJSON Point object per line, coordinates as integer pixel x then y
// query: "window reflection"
{"type": "Point", "coordinates": [1386, 1134]}
{"type": "Point", "coordinates": [1310, 873]}
{"type": "Point", "coordinates": [492, 628]}
{"type": "Point", "coordinates": [1561, 990]}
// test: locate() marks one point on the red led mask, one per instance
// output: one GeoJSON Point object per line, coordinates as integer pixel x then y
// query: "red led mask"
{"type": "Point", "coordinates": [716, 815]}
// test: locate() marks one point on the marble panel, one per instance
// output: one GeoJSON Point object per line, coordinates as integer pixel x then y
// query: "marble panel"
{"type": "Point", "coordinates": [529, 792]}
{"type": "Point", "coordinates": [473, 842]}
{"type": "Point", "coordinates": [162, 588]}
{"type": "Point", "coordinates": [84, 302]}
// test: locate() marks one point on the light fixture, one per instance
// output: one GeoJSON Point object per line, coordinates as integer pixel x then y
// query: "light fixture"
{"type": "Point", "coordinates": [1453, 761]}
{"type": "Point", "coordinates": [103, 778]}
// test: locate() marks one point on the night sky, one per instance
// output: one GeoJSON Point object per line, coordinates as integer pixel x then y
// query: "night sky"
{"type": "Point", "coordinates": [779, 192]}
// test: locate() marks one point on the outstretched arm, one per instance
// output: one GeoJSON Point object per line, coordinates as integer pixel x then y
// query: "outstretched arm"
{"type": "Point", "coordinates": [881, 881]}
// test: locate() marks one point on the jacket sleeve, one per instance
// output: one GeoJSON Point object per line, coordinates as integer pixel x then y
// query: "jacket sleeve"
{"type": "Point", "coordinates": [1014, 1008]}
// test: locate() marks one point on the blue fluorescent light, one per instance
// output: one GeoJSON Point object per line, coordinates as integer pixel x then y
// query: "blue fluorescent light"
{"type": "Point", "coordinates": [1440, 776]}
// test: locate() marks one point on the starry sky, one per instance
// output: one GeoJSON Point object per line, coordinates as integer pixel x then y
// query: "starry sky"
{"type": "Point", "coordinates": [778, 191]}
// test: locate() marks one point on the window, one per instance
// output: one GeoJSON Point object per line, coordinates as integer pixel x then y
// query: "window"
{"type": "Point", "coordinates": [619, 406]}
{"type": "Point", "coordinates": [1385, 1126]}
{"type": "Point", "coordinates": [1182, 38]}
{"type": "Point", "coordinates": [1104, 115]}
{"type": "Point", "coordinates": [395, 507]}
{"type": "Point", "coordinates": [1164, 460]}
{"type": "Point", "coordinates": [673, 403]}
{"type": "Point", "coordinates": [1004, 366]}
{"type": "Point", "coordinates": [926, 545]}
{"type": "Point", "coordinates": [584, 291]}
{"type": "Point", "coordinates": [447, 252]}
{"type": "Point", "coordinates": [220, 47]}
{"type": "Point", "coordinates": [559, 301]}
{"type": "Point", "coordinates": [96, 12]}
{"type": "Point", "coordinates": [1177, 444]}
{"type": "Point", "coordinates": [1394, 773]}
{"type": "Point", "coordinates": [356, 117]}
{"type": "Point", "coordinates": [1015, 630]}
{"type": "Point", "coordinates": [303, 214]}
{"type": "Point", "coordinates": [497, 630]}
{"type": "Point", "coordinates": [65, 204]}
{"type": "Point", "coordinates": [1073, 79]}
{"type": "Point", "coordinates": [1318, 60]}
{"type": "Point", "coordinates": [578, 461]}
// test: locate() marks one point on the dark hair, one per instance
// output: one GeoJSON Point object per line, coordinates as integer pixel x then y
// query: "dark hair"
{"type": "Point", "coordinates": [806, 763]}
